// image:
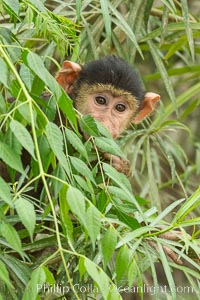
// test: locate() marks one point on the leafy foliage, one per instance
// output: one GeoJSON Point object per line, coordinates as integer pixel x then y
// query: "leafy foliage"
{"type": "Point", "coordinates": [67, 218]}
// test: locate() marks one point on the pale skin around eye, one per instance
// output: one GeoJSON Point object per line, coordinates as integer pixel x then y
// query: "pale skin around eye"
{"type": "Point", "coordinates": [113, 112]}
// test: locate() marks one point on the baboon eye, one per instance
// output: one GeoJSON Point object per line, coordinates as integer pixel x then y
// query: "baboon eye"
{"type": "Point", "coordinates": [120, 107]}
{"type": "Point", "coordinates": [100, 100]}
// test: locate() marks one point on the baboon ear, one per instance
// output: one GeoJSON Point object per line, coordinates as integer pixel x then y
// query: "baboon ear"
{"type": "Point", "coordinates": [148, 105]}
{"type": "Point", "coordinates": [67, 75]}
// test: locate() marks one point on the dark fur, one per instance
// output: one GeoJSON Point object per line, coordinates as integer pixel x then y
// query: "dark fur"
{"type": "Point", "coordinates": [115, 71]}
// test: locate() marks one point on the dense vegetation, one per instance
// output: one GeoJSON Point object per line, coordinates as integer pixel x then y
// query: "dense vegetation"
{"type": "Point", "coordinates": [71, 226]}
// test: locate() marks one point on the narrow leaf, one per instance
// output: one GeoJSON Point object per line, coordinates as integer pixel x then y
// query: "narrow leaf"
{"type": "Point", "coordinates": [186, 16]}
{"type": "Point", "coordinates": [165, 212]}
{"type": "Point", "coordinates": [108, 244]}
{"type": "Point", "coordinates": [11, 236]}
{"type": "Point", "coordinates": [23, 136]}
{"type": "Point", "coordinates": [5, 192]}
{"type": "Point", "coordinates": [82, 168]}
{"type": "Point", "coordinates": [4, 73]}
{"type": "Point", "coordinates": [121, 22]}
{"type": "Point", "coordinates": [76, 202]}
{"type": "Point", "coordinates": [93, 223]}
{"type": "Point", "coordinates": [34, 286]}
{"type": "Point", "coordinates": [132, 273]}
{"type": "Point", "coordinates": [26, 213]}
{"type": "Point", "coordinates": [98, 276]}
{"type": "Point", "coordinates": [13, 5]}
{"type": "Point", "coordinates": [27, 76]}
{"type": "Point", "coordinates": [167, 270]}
{"type": "Point", "coordinates": [36, 64]}
{"type": "Point", "coordinates": [130, 236]}
{"type": "Point", "coordinates": [108, 145]}
{"type": "Point", "coordinates": [107, 20]}
{"type": "Point", "coordinates": [4, 275]}
{"type": "Point", "coordinates": [18, 267]}
{"type": "Point", "coordinates": [161, 68]}
{"type": "Point", "coordinates": [89, 126]}
{"type": "Point", "coordinates": [10, 157]}
{"type": "Point", "coordinates": [118, 177]}
{"type": "Point", "coordinates": [55, 139]}
{"type": "Point", "coordinates": [128, 220]}
{"type": "Point", "coordinates": [122, 261]}
{"type": "Point", "coordinates": [76, 142]}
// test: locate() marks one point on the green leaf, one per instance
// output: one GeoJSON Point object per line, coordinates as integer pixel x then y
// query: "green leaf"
{"type": "Point", "coordinates": [76, 202]}
{"type": "Point", "coordinates": [11, 236]}
{"type": "Point", "coordinates": [89, 126]}
{"type": "Point", "coordinates": [65, 104]}
{"type": "Point", "coordinates": [130, 236]}
{"type": "Point", "coordinates": [45, 152]}
{"type": "Point", "coordinates": [122, 181]}
{"type": "Point", "coordinates": [81, 267]}
{"type": "Point", "coordinates": [12, 141]}
{"type": "Point", "coordinates": [13, 5]}
{"type": "Point", "coordinates": [5, 194]}
{"type": "Point", "coordinates": [26, 213]}
{"type": "Point", "coordinates": [124, 26]}
{"type": "Point", "coordinates": [49, 276]}
{"type": "Point", "coordinates": [36, 64]}
{"type": "Point", "coordinates": [128, 220]}
{"type": "Point", "coordinates": [169, 209]}
{"type": "Point", "coordinates": [90, 36]}
{"type": "Point", "coordinates": [17, 267]}
{"type": "Point", "coordinates": [153, 187]}
{"type": "Point", "coordinates": [188, 28]}
{"type": "Point", "coordinates": [182, 99]}
{"type": "Point", "coordinates": [76, 142]}
{"type": "Point", "coordinates": [122, 261]}
{"type": "Point", "coordinates": [103, 130]}
{"type": "Point", "coordinates": [161, 68]}
{"type": "Point", "coordinates": [39, 5]}
{"type": "Point", "coordinates": [132, 273]}
{"type": "Point", "coordinates": [4, 275]}
{"type": "Point", "coordinates": [117, 177]}
{"type": "Point", "coordinates": [107, 20]}
{"type": "Point", "coordinates": [24, 111]}
{"type": "Point", "coordinates": [119, 193]}
{"type": "Point", "coordinates": [175, 47]}
{"type": "Point", "coordinates": [35, 284]}
{"type": "Point", "coordinates": [65, 216]}
{"type": "Point", "coordinates": [83, 184]}
{"type": "Point", "coordinates": [2, 104]}
{"type": "Point", "coordinates": [170, 4]}
{"type": "Point", "coordinates": [55, 139]}
{"type": "Point", "coordinates": [108, 244]}
{"type": "Point", "coordinates": [10, 157]}
{"type": "Point", "coordinates": [114, 294]}
{"type": "Point", "coordinates": [56, 184]}
{"type": "Point", "coordinates": [82, 168]}
{"type": "Point", "coordinates": [93, 223]}
{"type": "Point", "coordinates": [4, 73]}
{"type": "Point", "coordinates": [167, 270]}
{"type": "Point", "coordinates": [108, 145]}
{"type": "Point", "coordinates": [98, 276]}
{"type": "Point", "coordinates": [23, 136]}
{"type": "Point", "coordinates": [189, 205]}
{"type": "Point", "coordinates": [27, 76]}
